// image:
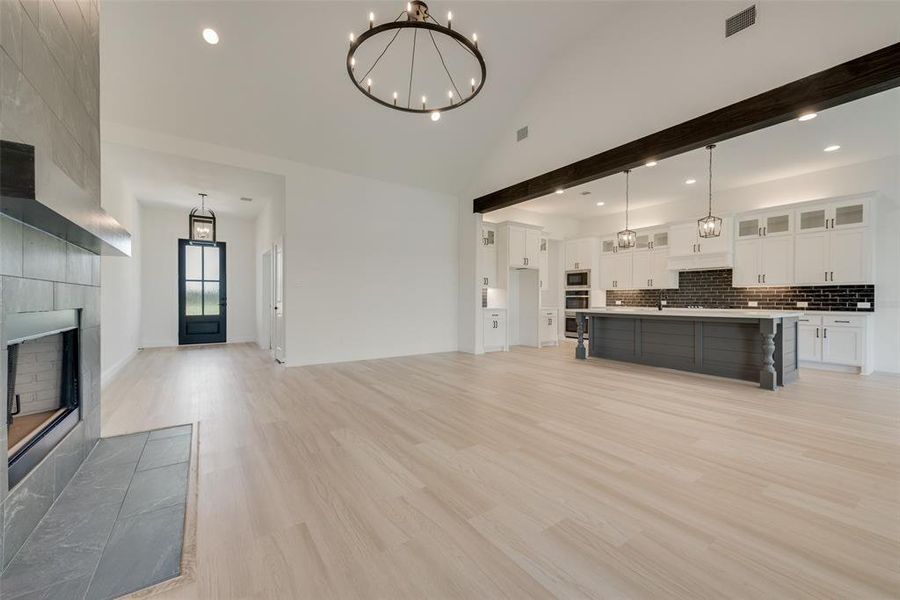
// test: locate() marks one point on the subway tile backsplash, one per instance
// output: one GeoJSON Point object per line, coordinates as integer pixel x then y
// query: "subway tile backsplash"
{"type": "Point", "coordinates": [713, 289]}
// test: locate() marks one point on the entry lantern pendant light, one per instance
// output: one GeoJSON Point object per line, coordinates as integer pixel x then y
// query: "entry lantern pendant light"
{"type": "Point", "coordinates": [417, 20]}
{"type": "Point", "coordinates": [709, 226]}
{"type": "Point", "coordinates": [202, 223]}
{"type": "Point", "coordinates": [626, 238]}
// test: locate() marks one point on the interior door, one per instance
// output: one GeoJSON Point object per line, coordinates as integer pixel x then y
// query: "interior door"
{"type": "Point", "coordinates": [278, 305]}
{"type": "Point", "coordinates": [202, 305]}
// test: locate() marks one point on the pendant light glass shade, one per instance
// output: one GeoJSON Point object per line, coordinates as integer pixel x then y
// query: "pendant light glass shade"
{"type": "Point", "coordinates": [626, 238]}
{"type": "Point", "coordinates": [709, 226]}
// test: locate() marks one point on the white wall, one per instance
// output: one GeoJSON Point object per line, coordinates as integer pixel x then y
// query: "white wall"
{"type": "Point", "coordinates": [371, 268]}
{"type": "Point", "coordinates": [120, 294]}
{"type": "Point", "coordinates": [161, 228]}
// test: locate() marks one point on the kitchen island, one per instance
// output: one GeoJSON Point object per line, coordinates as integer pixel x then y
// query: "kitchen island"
{"type": "Point", "coordinates": [752, 345]}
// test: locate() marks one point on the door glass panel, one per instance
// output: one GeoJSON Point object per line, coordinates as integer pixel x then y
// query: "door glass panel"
{"type": "Point", "coordinates": [812, 219]}
{"type": "Point", "coordinates": [193, 265]}
{"type": "Point", "coordinates": [192, 298]}
{"type": "Point", "coordinates": [848, 215]}
{"type": "Point", "coordinates": [660, 239]}
{"type": "Point", "coordinates": [608, 245]}
{"type": "Point", "coordinates": [211, 263]}
{"type": "Point", "coordinates": [211, 298]}
{"type": "Point", "coordinates": [778, 224]}
{"type": "Point", "coordinates": [749, 227]}
{"type": "Point", "coordinates": [642, 241]}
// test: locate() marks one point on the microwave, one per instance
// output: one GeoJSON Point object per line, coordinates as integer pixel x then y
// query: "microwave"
{"type": "Point", "coordinates": [578, 279]}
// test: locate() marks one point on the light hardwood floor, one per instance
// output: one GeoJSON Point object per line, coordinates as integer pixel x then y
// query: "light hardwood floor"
{"type": "Point", "coordinates": [525, 474]}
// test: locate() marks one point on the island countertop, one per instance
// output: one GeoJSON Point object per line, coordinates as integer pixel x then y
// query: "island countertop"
{"type": "Point", "coordinates": [693, 313]}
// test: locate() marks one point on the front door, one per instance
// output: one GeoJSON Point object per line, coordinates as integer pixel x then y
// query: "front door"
{"type": "Point", "coordinates": [201, 292]}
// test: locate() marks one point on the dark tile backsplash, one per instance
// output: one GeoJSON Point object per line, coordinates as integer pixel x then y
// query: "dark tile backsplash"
{"type": "Point", "coordinates": [713, 289]}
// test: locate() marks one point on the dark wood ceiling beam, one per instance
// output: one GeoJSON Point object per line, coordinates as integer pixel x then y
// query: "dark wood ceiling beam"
{"type": "Point", "coordinates": [857, 78]}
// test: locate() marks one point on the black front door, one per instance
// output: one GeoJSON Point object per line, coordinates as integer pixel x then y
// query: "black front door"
{"type": "Point", "coordinates": [201, 292]}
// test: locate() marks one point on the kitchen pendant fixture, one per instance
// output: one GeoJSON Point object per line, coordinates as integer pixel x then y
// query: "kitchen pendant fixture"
{"type": "Point", "coordinates": [709, 226]}
{"type": "Point", "coordinates": [416, 20]}
{"type": "Point", "coordinates": [626, 237]}
{"type": "Point", "coordinates": [202, 223]}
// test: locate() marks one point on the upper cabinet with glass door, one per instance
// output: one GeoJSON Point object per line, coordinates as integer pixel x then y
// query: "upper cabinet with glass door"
{"type": "Point", "coordinates": [839, 214]}
{"type": "Point", "coordinates": [765, 224]}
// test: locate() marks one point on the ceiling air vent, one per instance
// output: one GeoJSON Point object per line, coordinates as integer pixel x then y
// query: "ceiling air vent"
{"type": "Point", "coordinates": [522, 134]}
{"type": "Point", "coordinates": [740, 21]}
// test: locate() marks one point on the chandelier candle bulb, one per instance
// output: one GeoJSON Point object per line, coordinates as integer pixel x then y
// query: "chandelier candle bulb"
{"type": "Point", "coordinates": [395, 98]}
{"type": "Point", "coordinates": [475, 39]}
{"type": "Point", "coordinates": [371, 20]}
{"type": "Point", "coordinates": [449, 19]}
{"type": "Point", "coordinates": [369, 85]}
{"type": "Point", "coordinates": [473, 84]}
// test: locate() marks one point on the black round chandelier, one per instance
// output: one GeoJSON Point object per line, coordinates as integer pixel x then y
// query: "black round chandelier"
{"type": "Point", "coordinates": [424, 31]}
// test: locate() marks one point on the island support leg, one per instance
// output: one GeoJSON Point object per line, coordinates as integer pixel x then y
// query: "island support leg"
{"type": "Point", "coordinates": [580, 351]}
{"type": "Point", "coordinates": [768, 377]}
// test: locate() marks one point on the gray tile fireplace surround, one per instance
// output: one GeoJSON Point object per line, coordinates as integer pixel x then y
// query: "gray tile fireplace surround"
{"type": "Point", "coordinates": [39, 272]}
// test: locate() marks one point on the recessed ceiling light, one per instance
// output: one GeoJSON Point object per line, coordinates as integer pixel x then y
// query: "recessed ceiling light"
{"type": "Point", "coordinates": [559, 190]}
{"type": "Point", "coordinates": [650, 163]}
{"type": "Point", "coordinates": [808, 116]}
{"type": "Point", "coordinates": [690, 181]}
{"type": "Point", "coordinates": [832, 148]}
{"type": "Point", "coordinates": [210, 36]}
{"type": "Point", "coordinates": [601, 203]}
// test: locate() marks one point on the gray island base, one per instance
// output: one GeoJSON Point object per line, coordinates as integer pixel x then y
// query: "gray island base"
{"type": "Point", "coordinates": [741, 344]}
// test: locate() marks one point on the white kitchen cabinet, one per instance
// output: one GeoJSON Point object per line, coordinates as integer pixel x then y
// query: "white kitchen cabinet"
{"type": "Point", "coordinates": [829, 216]}
{"type": "Point", "coordinates": [842, 345]}
{"type": "Point", "coordinates": [524, 247]}
{"type": "Point", "coordinates": [549, 325]}
{"type": "Point", "coordinates": [763, 261]}
{"type": "Point", "coordinates": [778, 222]}
{"type": "Point", "coordinates": [580, 254]}
{"type": "Point", "coordinates": [809, 342]}
{"type": "Point", "coordinates": [835, 340]}
{"type": "Point", "coordinates": [839, 256]}
{"type": "Point", "coordinates": [544, 263]}
{"type": "Point", "coordinates": [616, 270]}
{"type": "Point", "coordinates": [687, 250]}
{"type": "Point", "coordinates": [495, 328]}
{"type": "Point", "coordinates": [487, 257]}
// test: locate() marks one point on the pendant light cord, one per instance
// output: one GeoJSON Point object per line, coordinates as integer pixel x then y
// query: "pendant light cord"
{"type": "Point", "coordinates": [627, 175]}
{"type": "Point", "coordinates": [710, 148]}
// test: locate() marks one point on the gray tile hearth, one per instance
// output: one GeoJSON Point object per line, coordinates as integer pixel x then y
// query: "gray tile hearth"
{"type": "Point", "coordinates": [115, 528]}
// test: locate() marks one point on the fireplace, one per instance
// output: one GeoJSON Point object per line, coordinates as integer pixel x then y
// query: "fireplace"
{"type": "Point", "coordinates": [43, 395]}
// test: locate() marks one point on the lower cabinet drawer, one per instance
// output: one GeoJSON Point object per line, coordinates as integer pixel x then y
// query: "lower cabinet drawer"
{"type": "Point", "coordinates": [843, 321]}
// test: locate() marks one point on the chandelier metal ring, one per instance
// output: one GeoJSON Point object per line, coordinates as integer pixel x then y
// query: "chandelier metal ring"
{"type": "Point", "coordinates": [414, 25]}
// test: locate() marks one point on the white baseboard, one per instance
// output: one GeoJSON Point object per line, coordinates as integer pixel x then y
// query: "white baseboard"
{"type": "Point", "coordinates": [109, 374]}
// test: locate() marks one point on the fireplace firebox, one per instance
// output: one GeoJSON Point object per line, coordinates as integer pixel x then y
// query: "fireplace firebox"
{"type": "Point", "coordinates": [43, 395]}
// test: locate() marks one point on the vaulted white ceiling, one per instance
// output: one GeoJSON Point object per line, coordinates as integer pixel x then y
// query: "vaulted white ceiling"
{"type": "Point", "coordinates": [276, 83]}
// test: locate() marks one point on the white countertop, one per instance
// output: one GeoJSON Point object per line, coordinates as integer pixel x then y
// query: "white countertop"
{"type": "Point", "coordinates": [710, 313]}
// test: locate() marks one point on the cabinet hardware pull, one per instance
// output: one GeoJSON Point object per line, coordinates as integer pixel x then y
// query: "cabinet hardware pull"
{"type": "Point", "coordinates": [817, 332]}
{"type": "Point", "coordinates": [764, 277]}
{"type": "Point", "coordinates": [758, 279]}
{"type": "Point", "coordinates": [825, 333]}
{"type": "Point", "coordinates": [695, 247]}
{"type": "Point", "coordinates": [765, 233]}
{"type": "Point", "coordinates": [832, 223]}
{"type": "Point", "coordinates": [759, 231]}
{"type": "Point", "coordinates": [832, 272]}
{"type": "Point", "coordinates": [485, 281]}
{"type": "Point", "coordinates": [826, 275]}
{"type": "Point", "coordinates": [839, 321]}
